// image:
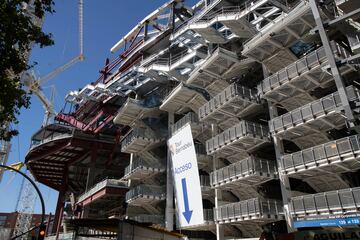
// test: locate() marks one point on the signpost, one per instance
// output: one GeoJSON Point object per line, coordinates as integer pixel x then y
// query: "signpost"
{"type": "Point", "coordinates": [186, 178]}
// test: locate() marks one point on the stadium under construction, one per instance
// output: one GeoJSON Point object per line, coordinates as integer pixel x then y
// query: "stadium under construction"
{"type": "Point", "coordinates": [271, 91]}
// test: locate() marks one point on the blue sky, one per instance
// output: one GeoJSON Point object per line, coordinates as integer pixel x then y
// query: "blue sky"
{"type": "Point", "coordinates": [105, 22]}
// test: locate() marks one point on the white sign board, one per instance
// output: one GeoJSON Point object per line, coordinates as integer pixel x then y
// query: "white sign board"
{"type": "Point", "coordinates": [186, 178]}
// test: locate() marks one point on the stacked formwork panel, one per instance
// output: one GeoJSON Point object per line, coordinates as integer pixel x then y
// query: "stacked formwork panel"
{"type": "Point", "coordinates": [256, 82]}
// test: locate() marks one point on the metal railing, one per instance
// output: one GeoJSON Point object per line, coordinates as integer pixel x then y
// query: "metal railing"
{"type": "Point", "coordinates": [296, 69]}
{"type": "Point", "coordinates": [146, 190]}
{"type": "Point", "coordinates": [225, 96]}
{"type": "Point", "coordinates": [208, 217]}
{"type": "Point", "coordinates": [204, 181]}
{"type": "Point", "coordinates": [140, 163]}
{"type": "Point", "coordinates": [248, 166]}
{"type": "Point", "coordinates": [339, 201]}
{"type": "Point", "coordinates": [146, 218]}
{"type": "Point", "coordinates": [135, 133]}
{"type": "Point", "coordinates": [250, 208]}
{"type": "Point", "coordinates": [52, 137]}
{"type": "Point", "coordinates": [197, 16]}
{"type": "Point", "coordinates": [174, 58]}
{"type": "Point", "coordinates": [188, 118]}
{"type": "Point", "coordinates": [97, 187]}
{"type": "Point", "coordinates": [324, 154]}
{"type": "Point", "coordinates": [240, 130]}
{"type": "Point", "coordinates": [310, 111]}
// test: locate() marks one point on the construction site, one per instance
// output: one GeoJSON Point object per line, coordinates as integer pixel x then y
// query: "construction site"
{"type": "Point", "coordinates": [270, 90]}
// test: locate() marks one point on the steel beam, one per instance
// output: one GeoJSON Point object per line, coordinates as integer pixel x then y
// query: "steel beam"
{"type": "Point", "coordinates": [169, 211]}
{"type": "Point", "coordinates": [284, 179]}
{"type": "Point", "coordinates": [331, 60]}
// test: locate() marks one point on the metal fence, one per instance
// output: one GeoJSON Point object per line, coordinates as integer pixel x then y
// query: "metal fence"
{"type": "Point", "coordinates": [204, 181]}
{"type": "Point", "coordinates": [146, 190]}
{"type": "Point", "coordinates": [226, 96]}
{"type": "Point", "coordinates": [339, 201]}
{"type": "Point", "coordinates": [243, 168]}
{"type": "Point", "coordinates": [249, 209]}
{"type": "Point", "coordinates": [240, 130]}
{"type": "Point", "coordinates": [140, 163]}
{"type": "Point", "coordinates": [188, 118]}
{"type": "Point", "coordinates": [322, 154]}
{"type": "Point", "coordinates": [312, 110]}
{"type": "Point", "coordinates": [143, 133]}
{"type": "Point", "coordinates": [146, 218]}
{"type": "Point", "coordinates": [292, 71]}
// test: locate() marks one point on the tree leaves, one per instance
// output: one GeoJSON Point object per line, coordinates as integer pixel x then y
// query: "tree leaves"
{"type": "Point", "coordinates": [18, 33]}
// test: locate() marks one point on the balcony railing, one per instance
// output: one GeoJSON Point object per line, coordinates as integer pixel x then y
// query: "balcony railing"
{"type": "Point", "coordinates": [232, 101]}
{"type": "Point", "coordinates": [290, 76]}
{"type": "Point", "coordinates": [208, 218]}
{"type": "Point", "coordinates": [344, 151]}
{"type": "Point", "coordinates": [334, 202]}
{"type": "Point", "coordinates": [244, 169]}
{"type": "Point", "coordinates": [157, 192]}
{"type": "Point", "coordinates": [188, 118]}
{"type": "Point", "coordinates": [145, 218]}
{"type": "Point", "coordinates": [145, 135]}
{"type": "Point", "coordinates": [138, 164]}
{"type": "Point", "coordinates": [204, 181]}
{"type": "Point", "coordinates": [243, 131]}
{"type": "Point", "coordinates": [251, 209]}
{"type": "Point", "coordinates": [316, 109]}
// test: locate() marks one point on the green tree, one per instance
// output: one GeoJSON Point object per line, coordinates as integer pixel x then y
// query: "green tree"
{"type": "Point", "coordinates": [18, 34]}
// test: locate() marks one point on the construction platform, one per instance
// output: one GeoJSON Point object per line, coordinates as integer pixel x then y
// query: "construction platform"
{"type": "Point", "coordinates": [290, 86]}
{"type": "Point", "coordinates": [325, 204]}
{"type": "Point", "coordinates": [225, 108]}
{"type": "Point", "coordinates": [250, 171]}
{"type": "Point", "coordinates": [333, 157]}
{"type": "Point", "coordinates": [236, 142]}
{"type": "Point", "coordinates": [252, 210]}
{"type": "Point", "coordinates": [199, 130]}
{"type": "Point", "coordinates": [56, 149]}
{"type": "Point", "coordinates": [139, 140]}
{"type": "Point", "coordinates": [182, 99]}
{"type": "Point", "coordinates": [221, 64]}
{"type": "Point", "coordinates": [307, 125]}
{"type": "Point", "coordinates": [134, 110]}
{"type": "Point", "coordinates": [108, 190]}
{"type": "Point", "coordinates": [141, 169]}
{"type": "Point", "coordinates": [145, 195]}
{"type": "Point", "coordinates": [271, 45]}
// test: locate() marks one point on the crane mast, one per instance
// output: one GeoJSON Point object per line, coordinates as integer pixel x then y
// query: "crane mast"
{"type": "Point", "coordinates": [27, 196]}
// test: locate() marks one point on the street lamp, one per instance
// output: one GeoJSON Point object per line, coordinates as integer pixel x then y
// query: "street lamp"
{"type": "Point", "coordinates": [36, 188]}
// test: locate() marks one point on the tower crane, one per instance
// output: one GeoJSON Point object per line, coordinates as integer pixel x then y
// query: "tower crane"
{"type": "Point", "coordinates": [34, 83]}
{"type": "Point", "coordinates": [27, 196]}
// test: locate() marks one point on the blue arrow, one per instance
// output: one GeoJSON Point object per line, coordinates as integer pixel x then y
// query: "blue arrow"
{"type": "Point", "coordinates": [187, 214]}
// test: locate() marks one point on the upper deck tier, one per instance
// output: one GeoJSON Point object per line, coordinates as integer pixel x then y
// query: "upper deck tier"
{"type": "Point", "coordinates": [55, 148]}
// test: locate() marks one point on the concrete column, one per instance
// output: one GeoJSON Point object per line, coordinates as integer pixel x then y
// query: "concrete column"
{"type": "Point", "coordinates": [340, 85]}
{"type": "Point", "coordinates": [218, 192]}
{"type": "Point", "coordinates": [169, 211]}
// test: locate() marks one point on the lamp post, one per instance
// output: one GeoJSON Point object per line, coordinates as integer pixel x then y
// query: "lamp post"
{"type": "Point", "coordinates": [36, 188]}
